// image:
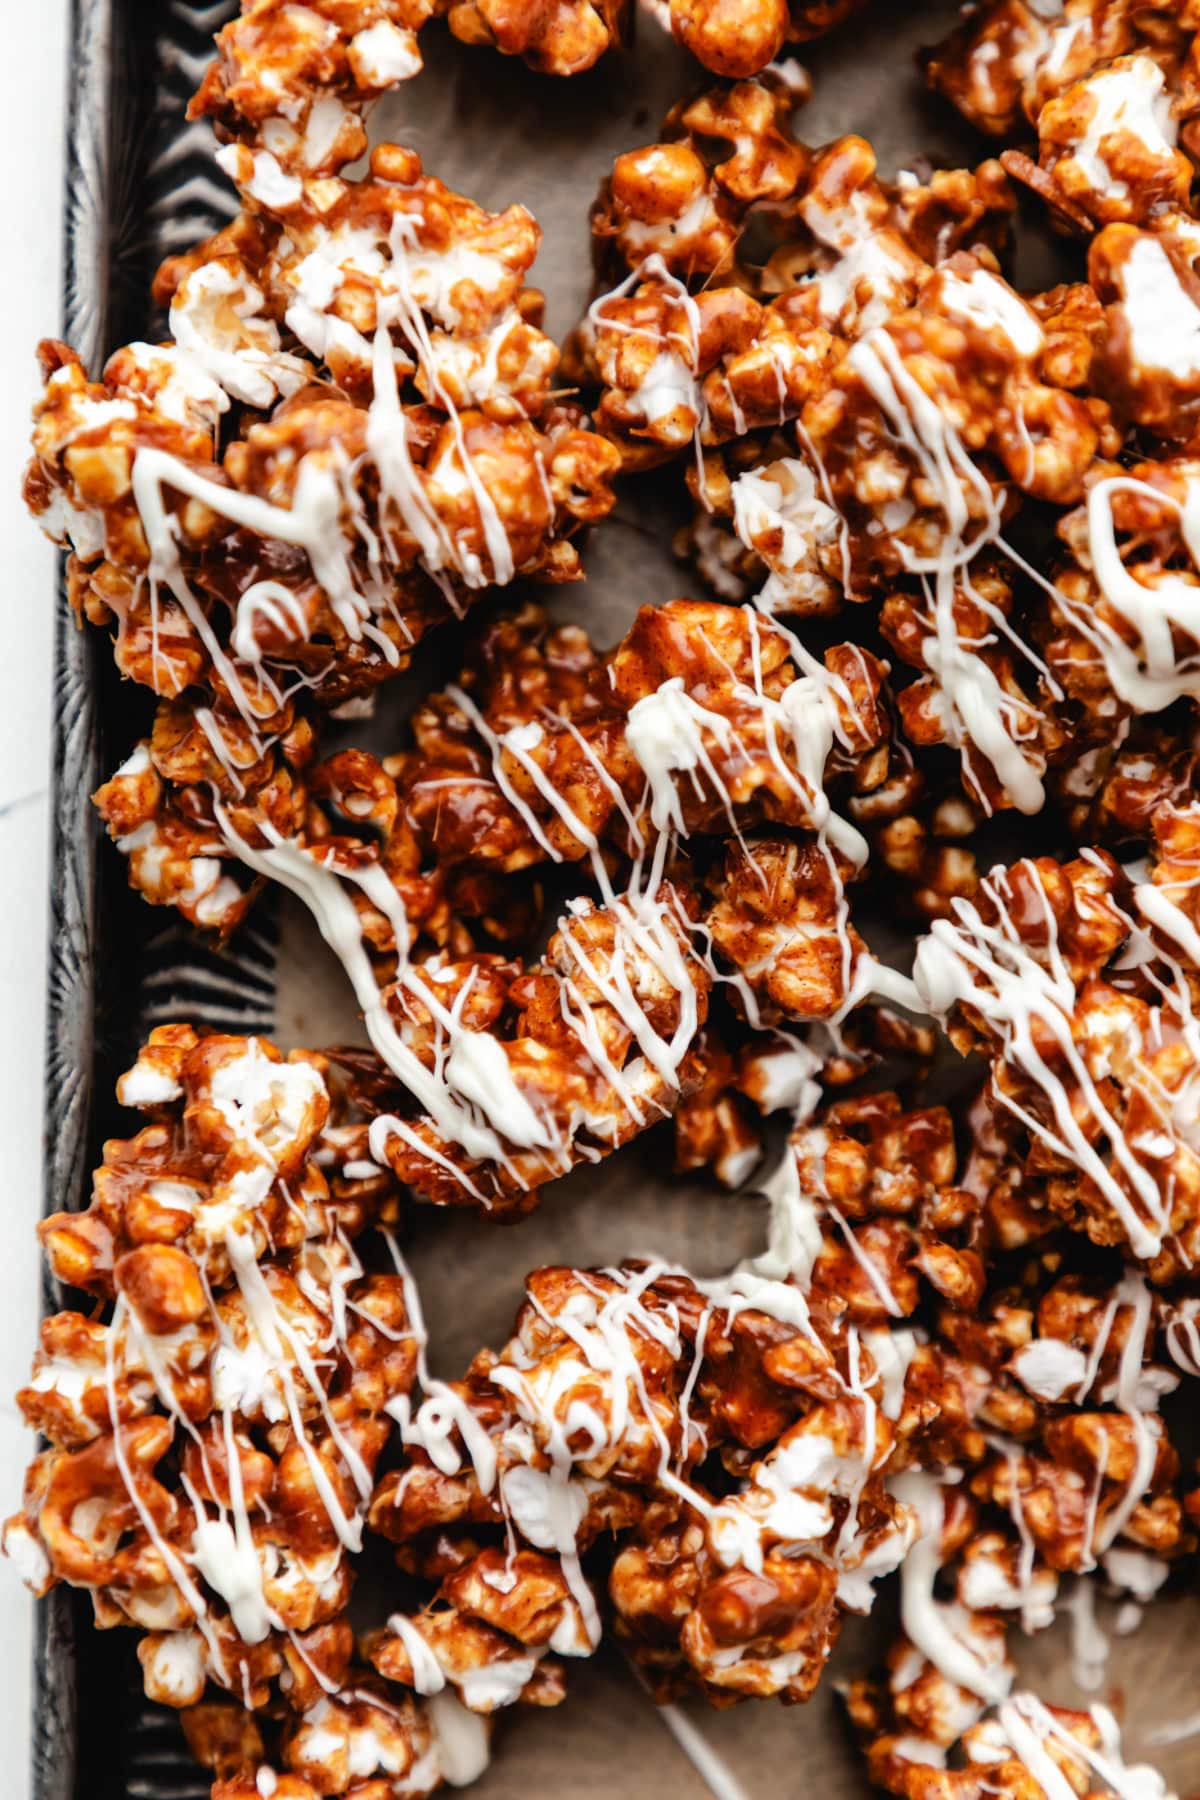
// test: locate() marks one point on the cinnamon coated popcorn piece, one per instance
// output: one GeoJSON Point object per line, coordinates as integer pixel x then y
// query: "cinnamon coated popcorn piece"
{"type": "Point", "coordinates": [224, 1737]}
{"type": "Point", "coordinates": [769, 518]}
{"type": "Point", "coordinates": [677, 369]}
{"type": "Point", "coordinates": [349, 599]}
{"type": "Point", "coordinates": [874, 1035]}
{"type": "Point", "coordinates": [1043, 1386]}
{"type": "Point", "coordinates": [731, 155]}
{"type": "Point", "coordinates": [213, 1428]}
{"type": "Point", "coordinates": [952, 1661]}
{"type": "Point", "coordinates": [556, 37]}
{"type": "Point", "coordinates": [394, 450]}
{"type": "Point", "coordinates": [779, 1070]}
{"type": "Point", "coordinates": [965, 363]}
{"type": "Point", "coordinates": [231, 1120]}
{"type": "Point", "coordinates": [392, 248]}
{"type": "Point", "coordinates": [857, 248]}
{"type": "Point", "coordinates": [900, 479]}
{"type": "Point", "coordinates": [292, 87]}
{"type": "Point", "coordinates": [249, 1787]}
{"type": "Point", "coordinates": [777, 1073]}
{"type": "Point", "coordinates": [1064, 1375]}
{"type": "Point", "coordinates": [364, 1740]}
{"type": "Point", "coordinates": [173, 859]}
{"type": "Point", "coordinates": [557, 1032]}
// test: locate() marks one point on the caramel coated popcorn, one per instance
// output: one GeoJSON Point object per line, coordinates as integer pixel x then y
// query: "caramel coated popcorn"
{"type": "Point", "coordinates": [213, 1422]}
{"type": "Point", "coordinates": [738, 41]}
{"type": "Point", "coordinates": [704, 719]}
{"type": "Point", "coordinates": [1069, 1472]}
{"type": "Point", "coordinates": [739, 1595]}
{"type": "Point", "coordinates": [865, 412]}
{"type": "Point", "coordinates": [696, 344]}
{"type": "Point", "coordinates": [396, 449]}
{"type": "Point", "coordinates": [763, 1447]}
{"type": "Point", "coordinates": [1108, 90]}
{"type": "Point", "coordinates": [290, 85]}
{"type": "Point", "coordinates": [1078, 981]}
{"type": "Point", "coordinates": [936, 713]}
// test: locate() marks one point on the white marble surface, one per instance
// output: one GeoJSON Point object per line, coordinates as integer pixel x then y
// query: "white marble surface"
{"type": "Point", "coordinates": [31, 132]}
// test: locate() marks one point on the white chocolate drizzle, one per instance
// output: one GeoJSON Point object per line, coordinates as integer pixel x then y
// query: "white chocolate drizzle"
{"type": "Point", "coordinates": [966, 960]}
{"type": "Point", "coordinates": [266, 1355]}
{"type": "Point", "coordinates": [979, 712]}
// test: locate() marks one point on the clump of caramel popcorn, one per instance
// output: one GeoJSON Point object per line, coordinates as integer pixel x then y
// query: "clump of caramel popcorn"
{"type": "Point", "coordinates": [1060, 1469]}
{"type": "Point", "coordinates": [289, 88]}
{"type": "Point", "coordinates": [696, 342]}
{"type": "Point", "coordinates": [351, 435]}
{"type": "Point", "coordinates": [549, 1065]}
{"type": "Point", "coordinates": [290, 85]}
{"type": "Point", "coordinates": [1108, 91]}
{"type": "Point", "coordinates": [868, 405]}
{"type": "Point", "coordinates": [1079, 982]}
{"type": "Point", "coordinates": [736, 1589]}
{"type": "Point", "coordinates": [214, 1420]}
{"type": "Point", "coordinates": [1009, 58]}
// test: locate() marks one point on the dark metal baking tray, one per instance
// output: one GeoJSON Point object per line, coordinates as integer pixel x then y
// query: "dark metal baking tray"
{"type": "Point", "coordinates": [140, 184]}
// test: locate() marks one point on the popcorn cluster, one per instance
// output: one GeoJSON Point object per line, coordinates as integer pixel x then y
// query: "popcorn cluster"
{"type": "Point", "coordinates": [290, 85]}
{"type": "Point", "coordinates": [351, 435]}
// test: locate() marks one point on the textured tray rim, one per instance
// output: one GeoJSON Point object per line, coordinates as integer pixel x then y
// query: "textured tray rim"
{"type": "Point", "coordinates": [129, 74]}
{"type": "Point", "coordinates": [75, 762]}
